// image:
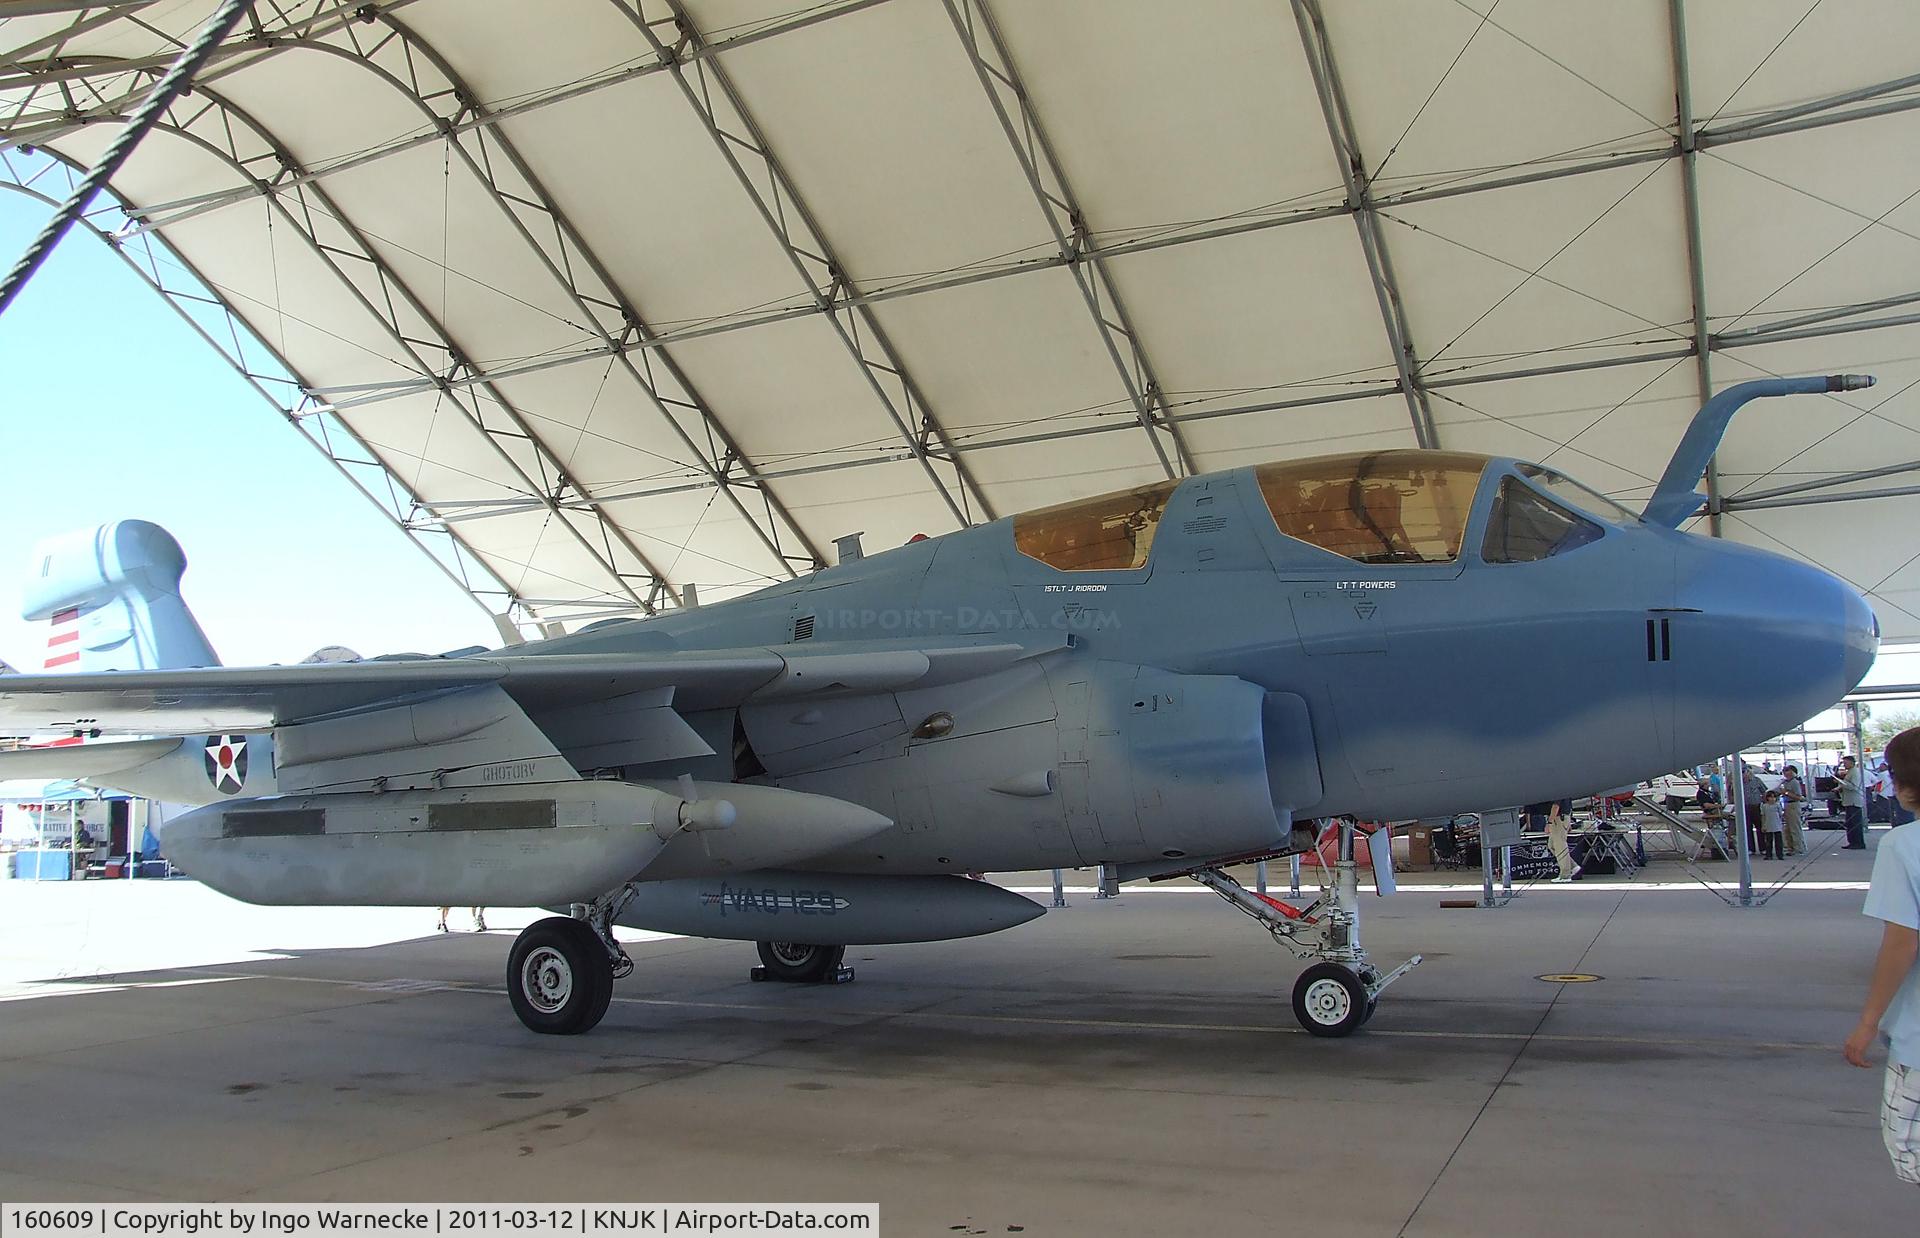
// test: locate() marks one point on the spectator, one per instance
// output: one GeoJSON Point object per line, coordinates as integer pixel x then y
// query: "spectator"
{"type": "Point", "coordinates": [1559, 816]}
{"type": "Point", "coordinates": [1753, 791]}
{"type": "Point", "coordinates": [1793, 795]}
{"type": "Point", "coordinates": [1853, 803]}
{"type": "Point", "coordinates": [1892, 1008]}
{"type": "Point", "coordinates": [479, 919]}
{"type": "Point", "coordinates": [1772, 827]}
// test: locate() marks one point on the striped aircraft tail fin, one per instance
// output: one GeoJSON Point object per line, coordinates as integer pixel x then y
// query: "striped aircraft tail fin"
{"type": "Point", "coordinates": [112, 598]}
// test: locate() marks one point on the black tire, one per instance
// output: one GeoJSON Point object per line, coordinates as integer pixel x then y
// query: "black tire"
{"type": "Point", "coordinates": [559, 977]}
{"type": "Point", "coordinates": [1329, 1000]}
{"type": "Point", "coordinates": [797, 963]}
{"type": "Point", "coordinates": [1372, 1004]}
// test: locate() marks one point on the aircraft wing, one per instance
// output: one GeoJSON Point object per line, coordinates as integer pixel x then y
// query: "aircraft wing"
{"type": "Point", "coordinates": [223, 699]}
{"type": "Point", "coordinates": [84, 760]}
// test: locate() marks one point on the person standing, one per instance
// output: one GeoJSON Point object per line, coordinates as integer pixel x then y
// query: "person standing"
{"type": "Point", "coordinates": [1892, 1008]}
{"type": "Point", "coordinates": [1772, 827]}
{"type": "Point", "coordinates": [1753, 790]}
{"type": "Point", "coordinates": [1558, 818]}
{"type": "Point", "coordinates": [1853, 803]}
{"type": "Point", "coordinates": [1793, 794]}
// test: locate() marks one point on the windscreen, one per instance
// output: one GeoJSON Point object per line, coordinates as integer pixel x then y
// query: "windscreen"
{"type": "Point", "coordinates": [1525, 527]}
{"type": "Point", "coordinates": [1376, 507]}
{"type": "Point", "coordinates": [1572, 494]}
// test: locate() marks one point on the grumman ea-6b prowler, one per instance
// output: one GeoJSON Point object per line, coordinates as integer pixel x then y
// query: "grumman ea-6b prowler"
{"type": "Point", "coordinates": [1164, 681]}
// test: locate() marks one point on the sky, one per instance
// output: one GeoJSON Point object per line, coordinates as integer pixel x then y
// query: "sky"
{"type": "Point", "coordinates": [111, 407]}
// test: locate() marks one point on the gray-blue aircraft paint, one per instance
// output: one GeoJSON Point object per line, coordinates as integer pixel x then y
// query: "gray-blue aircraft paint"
{"type": "Point", "coordinates": [1423, 689]}
{"type": "Point", "coordinates": [976, 702]}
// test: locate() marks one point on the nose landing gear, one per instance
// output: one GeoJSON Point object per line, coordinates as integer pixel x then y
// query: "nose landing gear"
{"type": "Point", "coordinates": [1336, 995]}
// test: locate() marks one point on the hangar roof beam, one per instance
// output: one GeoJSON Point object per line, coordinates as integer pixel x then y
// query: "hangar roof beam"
{"type": "Point", "coordinates": [392, 287]}
{"type": "Point", "coordinates": [1696, 262]}
{"type": "Point", "coordinates": [1072, 233]}
{"type": "Point", "coordinates": [1373, 244]}
{"type": "Point", "coordinates": [806, 247]}
{"type": "Point", "coordinates": [534, 195]}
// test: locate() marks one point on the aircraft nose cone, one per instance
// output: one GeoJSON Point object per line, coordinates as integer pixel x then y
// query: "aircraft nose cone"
{"type": "Point", "coordinates": [1770, 642]}
{"type": "Point", "coordinates": [1862, 629]}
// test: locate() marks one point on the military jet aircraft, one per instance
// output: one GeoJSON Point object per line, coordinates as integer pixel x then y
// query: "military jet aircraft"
{"type": "Point", "coordinates": [1163, 680]}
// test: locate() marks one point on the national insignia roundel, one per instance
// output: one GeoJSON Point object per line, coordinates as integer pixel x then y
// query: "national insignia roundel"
{"type": "Point", "coordinates": [227, 762]}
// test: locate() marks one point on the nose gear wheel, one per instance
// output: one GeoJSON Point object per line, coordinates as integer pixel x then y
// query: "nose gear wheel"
{"type": "Point", "coordinates": [1337, 994]}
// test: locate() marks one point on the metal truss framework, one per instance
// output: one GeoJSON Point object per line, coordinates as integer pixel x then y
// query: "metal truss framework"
{"type": "Point", "coordinates": [1804, 493]}
{"type": "Point", "coordinates": [511, 185]}
{"type": "Point", "coordinates": [828, 282]}
{"type": "Point", "coordinates": [620, 332]}
{"type": "Point", "coordinates": [1366, 216]}
{"type": "Point", "coordinates": [234, 340]}
{"type": "Point", "coordinates": [1696, 261]}
{"type": "Point", "coordinates": [410, 326]}
{"type": "Point", "coordinates": [1072, 235]}
{"type": "Point", "coordinates": [177, 78]}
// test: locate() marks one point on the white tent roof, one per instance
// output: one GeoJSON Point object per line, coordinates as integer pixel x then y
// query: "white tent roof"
{"type": "Point", "coordinates": [602, 297]}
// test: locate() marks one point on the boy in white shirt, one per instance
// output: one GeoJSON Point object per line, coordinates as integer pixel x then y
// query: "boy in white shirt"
{"type": "Point", "coordinates": [1893, 999]}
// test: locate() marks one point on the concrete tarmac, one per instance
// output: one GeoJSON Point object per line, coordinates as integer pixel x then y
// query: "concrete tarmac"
{"type": "Point", "coordinates": [1124, 1066]}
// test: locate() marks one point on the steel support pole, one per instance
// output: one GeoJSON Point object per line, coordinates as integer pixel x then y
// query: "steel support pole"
{"type": "Point", "coordinates": [1696, 268]}
{"type": "Point", "coordinates": [1809, 500]}
{"type": "Point", "coordinates": [1742, 847]}
{"type": "Point", "coordinates": [1506, 870]}
{"type": "Point", "coordinates": [165, 91]}
{"type": "Point", "coordinates": [1059, 888]}
{"type": "Point", "coordinates": [1825, 483]}
{"type": "Point", "coordinates": [1260, 876]}
{"type": "Point", "coordinates": [1293, 876]}
{"type": "Point", "coordinates": [1486, 876]}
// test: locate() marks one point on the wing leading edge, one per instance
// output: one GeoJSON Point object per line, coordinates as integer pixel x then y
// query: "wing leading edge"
{"type": "Point", "coordinates": [185, 702]}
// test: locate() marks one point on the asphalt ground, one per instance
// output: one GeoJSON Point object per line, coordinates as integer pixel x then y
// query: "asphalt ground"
{"type": "Point", "coordinates": [1120, 1066]}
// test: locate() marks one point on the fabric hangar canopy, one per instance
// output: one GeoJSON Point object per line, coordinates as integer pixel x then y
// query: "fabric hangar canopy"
{"type": "Point", "coordinates": [601, 298]}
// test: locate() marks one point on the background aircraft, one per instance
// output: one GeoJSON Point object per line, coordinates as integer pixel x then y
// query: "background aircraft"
{"type": "Point", "coordinates": [1163, 680]}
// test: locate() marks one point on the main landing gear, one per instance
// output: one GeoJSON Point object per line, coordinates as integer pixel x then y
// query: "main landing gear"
{"type": "Point", "coordinates": [560, 974]}
{"type": "Point", "coordinates": [793, 962]}
{"type": "Point", "coordinates": [1337, 994]}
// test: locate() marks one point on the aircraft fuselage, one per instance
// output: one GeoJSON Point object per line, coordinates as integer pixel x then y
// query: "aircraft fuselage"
{"type": "Point", "coordinates": [1240, 678]}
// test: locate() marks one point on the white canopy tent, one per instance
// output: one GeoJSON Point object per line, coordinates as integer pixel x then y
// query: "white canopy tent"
{"type": "Point", "coordinates": [598, 298]}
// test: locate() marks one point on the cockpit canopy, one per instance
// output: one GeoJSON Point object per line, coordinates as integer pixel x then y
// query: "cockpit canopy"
{"type": "Point", "coordinates": [1379, 507]}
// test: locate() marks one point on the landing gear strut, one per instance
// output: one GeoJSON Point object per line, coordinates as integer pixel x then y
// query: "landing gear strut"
{"type": "Point", "coordinates": [560, 974]}
{"type": "Point", "coordinates": [1337, 994]}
